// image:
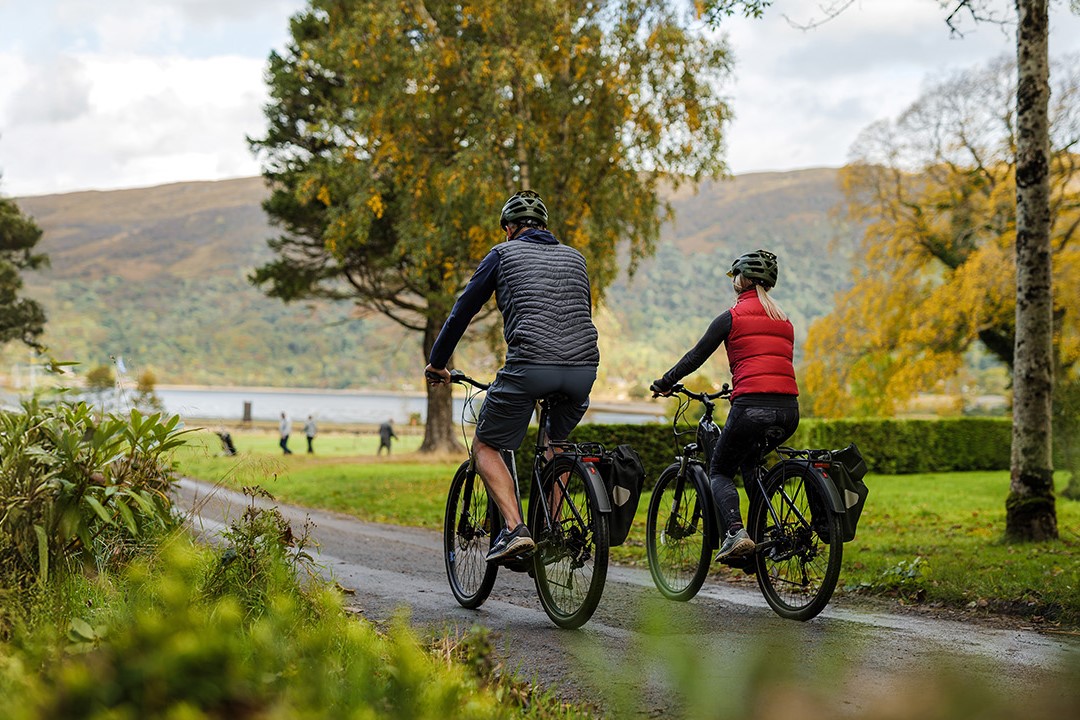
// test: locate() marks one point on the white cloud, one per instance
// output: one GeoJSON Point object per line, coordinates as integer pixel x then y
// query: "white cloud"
{"type": "Point", "coordinates": [125, 93]}
{"type": "Point", "coordinates": [55, 92]}
{"type": "Point", "coordinates": [802, 96]}
{"type": "Point", "coordinates": [149, 121]}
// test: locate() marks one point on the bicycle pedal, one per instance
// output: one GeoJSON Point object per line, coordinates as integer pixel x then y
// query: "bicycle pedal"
{"type": "Point", "coordinates": [521, 563]}
{"type": "Point", "coordinates": [745, 563]}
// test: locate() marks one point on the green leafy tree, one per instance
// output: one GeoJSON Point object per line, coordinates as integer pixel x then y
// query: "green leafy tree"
{"type": "Point", "coordinates": [100, 381]}
{"type": "Point", "coordinates": [146, 396]}
{"type": "Point", "coordinates": [396, 131]}
{"type": "Point", "coordinates": [20, 318]}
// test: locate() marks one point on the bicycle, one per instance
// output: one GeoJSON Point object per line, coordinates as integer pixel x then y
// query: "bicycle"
{"type": "Point", "coordinates": [567, 517]}
{"type": "Point", "coordinates": [794, 519]}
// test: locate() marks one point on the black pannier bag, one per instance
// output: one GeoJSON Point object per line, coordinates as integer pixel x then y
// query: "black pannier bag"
{"type": "Point", "coordinates": [846, 470]}
{"type": "Point", "coordinates": [624, 477]}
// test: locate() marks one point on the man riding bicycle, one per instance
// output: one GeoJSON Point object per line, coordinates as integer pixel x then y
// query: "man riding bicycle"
{"type": "Point", "coordinates": [760, 342]}
{"type": "Point", "coordinates": [543, 292]}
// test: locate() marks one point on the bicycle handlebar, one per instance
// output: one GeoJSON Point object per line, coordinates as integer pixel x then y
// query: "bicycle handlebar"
{"type": "Point", "coordinates": [680, 389]}
{"type": "Point", "coordinates": [456, 376]}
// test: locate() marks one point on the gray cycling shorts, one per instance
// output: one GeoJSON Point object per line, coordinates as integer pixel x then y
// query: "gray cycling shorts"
{"type": "Point", "coordinates": [511, 400]}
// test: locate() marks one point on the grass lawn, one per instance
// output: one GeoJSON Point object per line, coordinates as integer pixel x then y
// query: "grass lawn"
{"type": "Point", "coordinates": [344, 474]}
{"type": "Point", "coordinates": [923, 538]}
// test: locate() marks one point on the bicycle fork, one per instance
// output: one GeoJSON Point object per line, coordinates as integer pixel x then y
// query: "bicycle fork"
{"type": "Point", "coordinates": [673, 529]}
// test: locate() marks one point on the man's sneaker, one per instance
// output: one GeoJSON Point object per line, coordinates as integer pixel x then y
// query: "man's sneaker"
{"type": "Point", "coordinates": [511, 543]}
{"type": "Point", "coordinates": [735, 545]}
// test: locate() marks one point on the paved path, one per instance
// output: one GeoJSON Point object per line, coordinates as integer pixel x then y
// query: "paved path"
{"type": "Point", "coordinates": [627, 649]}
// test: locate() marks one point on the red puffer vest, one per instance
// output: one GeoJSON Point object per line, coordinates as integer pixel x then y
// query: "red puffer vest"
{"type": "Point", "coordinates": [759, 350]}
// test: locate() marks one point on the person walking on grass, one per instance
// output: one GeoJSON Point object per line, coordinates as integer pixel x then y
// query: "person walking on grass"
{"type": "Point", "coordinates": [760, 342]}
{"type": "Point", "coordinates": [309, 433]}
{"type": "Point", "coordinates": [284, 430]}
{"type": "Point", "coordinates": [543, 292]}
{"type": "Point", "coordinates": [386, 433]}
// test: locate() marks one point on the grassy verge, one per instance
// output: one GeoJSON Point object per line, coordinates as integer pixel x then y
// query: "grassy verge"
{"type": "Point", "coordinates": [933, 539]}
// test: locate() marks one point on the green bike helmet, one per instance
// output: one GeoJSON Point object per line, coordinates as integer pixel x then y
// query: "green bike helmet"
{"type": "Point", "coordinates": [759, 266]}
{"type": "Point", "coordinates": [524, 208]}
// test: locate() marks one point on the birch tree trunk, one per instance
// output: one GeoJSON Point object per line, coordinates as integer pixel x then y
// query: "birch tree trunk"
{"type": "Point", "coordinates": [1030, 510]}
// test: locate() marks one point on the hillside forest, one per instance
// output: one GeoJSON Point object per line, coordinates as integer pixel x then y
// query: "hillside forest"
{"type": "Point", "coordinates": [159, 277]}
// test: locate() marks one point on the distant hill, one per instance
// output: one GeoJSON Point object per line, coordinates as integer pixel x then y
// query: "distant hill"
{"type": "Point", "coordinates": [157, 276]}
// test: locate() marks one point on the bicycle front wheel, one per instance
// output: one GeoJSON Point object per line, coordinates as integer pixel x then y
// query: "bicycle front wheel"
{"type": "Point", "coordinates": [801, 546]}
{"type": "Point", "coordinates": [677, 534]}
{"type": "Point", "coordinates": [571, 558]}
{"type": "Point", "coordinates": [470, 523]}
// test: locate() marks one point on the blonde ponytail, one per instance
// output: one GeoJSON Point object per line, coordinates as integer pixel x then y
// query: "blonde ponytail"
{"type": "Point", "coordinates": [772, 309]}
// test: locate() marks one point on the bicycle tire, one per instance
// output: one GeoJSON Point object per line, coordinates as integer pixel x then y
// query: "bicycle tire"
{"type": "Point", "coordinates": [571, 558]}
{"type": "Point", "coordinates": [799, 564]}
{"type": "Point", "coordinates": [677, 534]}
{"type": "Point", "coordinates": [469, 526]}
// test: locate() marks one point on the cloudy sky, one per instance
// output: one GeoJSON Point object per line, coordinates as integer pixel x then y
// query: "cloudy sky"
{"type": "Point", "coordinates": [102, 94]}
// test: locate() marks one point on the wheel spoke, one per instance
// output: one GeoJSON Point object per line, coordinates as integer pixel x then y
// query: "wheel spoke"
{"type": "Point", "coordinates": [467, 537]}
{"type": "Point", "coordinates": [571, 556]}
{"type": "Point", "coordinates": [675, 536]}
{"type": "Point", "coordinates": [797, 569]}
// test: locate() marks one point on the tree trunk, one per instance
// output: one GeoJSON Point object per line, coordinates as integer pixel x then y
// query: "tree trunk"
{"type": "Point", "coordinates": [1029, 510]}
{"type": "Point", "coordinates": [440, 431]}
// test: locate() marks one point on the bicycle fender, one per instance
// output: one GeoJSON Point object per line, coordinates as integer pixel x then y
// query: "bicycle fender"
{"type": "Point", "coordinates": [702, 478]}
{"type": "Point", "coordinates": [590, 471]}
{"type": "Point", "coordinates": [836, 503]}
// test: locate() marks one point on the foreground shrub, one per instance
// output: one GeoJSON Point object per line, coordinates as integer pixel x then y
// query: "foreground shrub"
{"type": "Point", "coordinates": [160, 647]}
{"type": "Point", "coordinates": [262, 557]}
{"type": "Point", "coordinates": [76, 489]}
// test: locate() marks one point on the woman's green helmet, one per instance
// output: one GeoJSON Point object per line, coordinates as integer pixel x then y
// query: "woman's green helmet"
{"type": "Point", "coordinates": [524, 208]}
{"type": "Point", "coordinates": [759, 266]}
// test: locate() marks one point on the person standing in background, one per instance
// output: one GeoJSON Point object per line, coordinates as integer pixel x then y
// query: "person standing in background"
{"type": "Point", "coordinates": [386, 431]}
{"type": "Point", "coordinates": [309, 432]}
{"type": "Point", "coordinates": [285, 429]}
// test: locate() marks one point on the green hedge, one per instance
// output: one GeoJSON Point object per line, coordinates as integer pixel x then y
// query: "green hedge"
{"type": "Point", "coordinates": [916, 446]}
{"type": "Point", "coordinates": [889, 446]}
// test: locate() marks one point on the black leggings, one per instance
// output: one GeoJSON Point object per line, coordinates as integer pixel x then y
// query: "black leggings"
{"type": "Point", "coordinates": [749, 433]}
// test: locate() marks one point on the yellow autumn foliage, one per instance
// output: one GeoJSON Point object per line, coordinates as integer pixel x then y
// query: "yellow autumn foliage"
{"type": "Point", "coordinates": [935, 274]}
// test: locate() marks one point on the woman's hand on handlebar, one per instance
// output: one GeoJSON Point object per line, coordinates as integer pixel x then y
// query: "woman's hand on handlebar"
{"type": "Point", "coordinates": [437, 376]}
{"type": "Point", "coordinates": [658, 389]}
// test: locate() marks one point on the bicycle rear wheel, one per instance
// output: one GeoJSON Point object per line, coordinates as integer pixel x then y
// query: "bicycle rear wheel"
{"type": "Point", "coordinates": [470, 524]}
{"type": "Point", "coordinates": [799, 558]}
{"type": "Point", "coordinates": [571, 559]}
{"type": "Point", "coordinates": [677, 534]}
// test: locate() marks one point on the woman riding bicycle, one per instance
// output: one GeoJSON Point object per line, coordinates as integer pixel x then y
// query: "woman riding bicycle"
{"type": "Point", "coordinates": [764, 412]}
{"type": "Point", "coordinates": [542, 289]}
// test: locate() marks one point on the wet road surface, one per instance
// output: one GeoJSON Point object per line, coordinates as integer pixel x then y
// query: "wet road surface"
{"type": "Point", "coordinates": [647, 656]}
